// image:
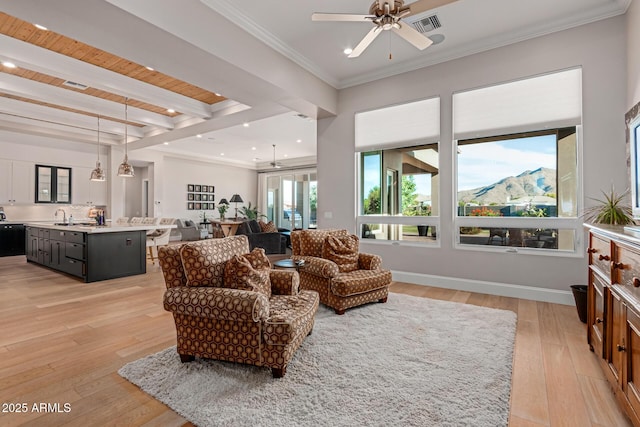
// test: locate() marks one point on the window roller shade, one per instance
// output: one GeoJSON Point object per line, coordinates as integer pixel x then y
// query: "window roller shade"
{"type": "Point", "coordinates": [416, 122]}
{"type": "Point", "coordinates": [548, 101]}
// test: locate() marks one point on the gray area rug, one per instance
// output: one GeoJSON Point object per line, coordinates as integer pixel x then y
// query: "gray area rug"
{"type": "Point", "coordinates": [409, 362]}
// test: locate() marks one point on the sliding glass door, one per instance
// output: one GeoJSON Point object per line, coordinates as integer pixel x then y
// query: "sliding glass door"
{"type": "Point", "coordinates": [291, 199]}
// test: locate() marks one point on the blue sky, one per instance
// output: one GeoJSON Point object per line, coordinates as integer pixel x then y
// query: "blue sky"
{"type": "Point", "coordinates": [486, 163]}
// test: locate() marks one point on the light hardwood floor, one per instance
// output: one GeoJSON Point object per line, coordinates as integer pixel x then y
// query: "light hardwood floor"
{"type": "Point", "coordinates": [63, 341]}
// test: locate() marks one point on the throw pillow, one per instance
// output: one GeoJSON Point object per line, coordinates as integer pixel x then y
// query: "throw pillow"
{"type": "Point", "coordinates": [268, 227]}
{"type": "Point", "coordinates": [202, 266]}
{"type": "Point", "coordinates": [239, 274]}
{"type": "Point", "coordinates": [343, 250]}
{"type": "Point", "coordinates": [311, 241]}
{"type": "Point", "coordinates": [254, 226]}
{"type": "Point", "coordinates": [258, 259]}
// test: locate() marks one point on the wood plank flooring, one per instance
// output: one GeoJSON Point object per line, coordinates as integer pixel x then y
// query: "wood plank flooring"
{"type": "Point", "coordinates": [63, 341]}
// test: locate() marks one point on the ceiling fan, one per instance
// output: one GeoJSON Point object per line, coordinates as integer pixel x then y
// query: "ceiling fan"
{"type": "Point", "coordinates": [387, 15]}
{"type": "Point", "coordinates": [275, 164]}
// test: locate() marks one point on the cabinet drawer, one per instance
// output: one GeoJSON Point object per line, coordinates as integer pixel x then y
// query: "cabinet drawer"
{"type": "Point", "coordinates": [32, 232]}
{"type": "Point", "coordinates": [75, 237]}
{"type": "Point", "coordinates": [74, 250]}
{"type": "Point", "coordinates": [73, 266]}
{"type": "Point", "coordinates": [600, 254]}
{"type": "Point", "coordinates": [626, 268]}
{"type": "Point", "coordinates": [596, 318]}
{"type": "Point", "coordinates": [57, 235]}
{"type": "Point", "coordinates": [43, 232]}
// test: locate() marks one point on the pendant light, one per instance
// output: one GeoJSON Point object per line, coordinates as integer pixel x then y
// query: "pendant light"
{"type": "Point", "coordinates": [125, 170]}
{"type": "Point", "coordinates": [98, 174]}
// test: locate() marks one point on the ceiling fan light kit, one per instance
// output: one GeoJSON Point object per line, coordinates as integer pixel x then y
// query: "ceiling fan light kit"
{"type": "Point", "coordinates": [386, 16]}
{"type": "Point", "coordinates": [275, 164]}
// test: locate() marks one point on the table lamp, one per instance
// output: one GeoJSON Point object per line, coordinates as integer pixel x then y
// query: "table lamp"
{"type": "Point", "coordinates": [236, 199]}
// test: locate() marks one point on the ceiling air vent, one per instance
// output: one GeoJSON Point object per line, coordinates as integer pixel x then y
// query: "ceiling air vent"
{"type": "Point", "coordinates": [430, 23]}
{"type": "Point", "coordinates": [75, 85]}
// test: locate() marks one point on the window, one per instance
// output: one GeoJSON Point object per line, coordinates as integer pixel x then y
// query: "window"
{"type": "Point", "coordinates": [53, 184]}
{"type": "Point", "coordinates": [399, 172]}
{"type": "Point", "coordinates": [519, 189]}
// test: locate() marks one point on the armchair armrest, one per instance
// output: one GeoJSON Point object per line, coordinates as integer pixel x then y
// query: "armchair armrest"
{"type": "Point", "coordinates": [284, 282]}
{"type": "Point", "coordinates": [217, 303]}
{"type": "Point", "coordinates": [318, 266]}
{"type": "Point", "coordinates": [369, 262]}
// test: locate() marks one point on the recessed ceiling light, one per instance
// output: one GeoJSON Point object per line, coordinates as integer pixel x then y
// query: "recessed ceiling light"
{"type": "Point", "coordinates": [253, 148]}
{"type": "Point", "coordinates": [9, 64]}
{"type": "Point", "coordinates": [347, 51]}
{"type": "Point", "coordinates": [217, 94]}
{"type": "Point", "coordinates": [222, 154]}
{"type": "Point", "coordinates": [40, 27]}
{"type": "Point", "coordinates": [286, 155]}
{"type": "Point", "coordinates": [165, 143]}
{"type": "Point", "coordinates": [149, 68]}
{"type": "Point", "coordinates": [170, 110]}
{"type": "Point", "coordinates": [245, 124]}
{"type": "Point", "coordinates": [298, 141]}
{"type": "Point", "coordinates": [198, 136]}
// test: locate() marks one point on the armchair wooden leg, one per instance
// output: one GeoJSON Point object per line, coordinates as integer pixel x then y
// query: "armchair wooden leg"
{"type": "Point", "coordinates": [278, 372]}
{"type": "Point", "coordinates": [382, 300]}
{"type": "Point", "coordinates": [184, 358]}
{"type": "Point", "coordinates": [340, 312]}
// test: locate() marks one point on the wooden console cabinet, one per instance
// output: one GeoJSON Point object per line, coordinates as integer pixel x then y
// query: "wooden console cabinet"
{"type": "Point", "coordinates": [613, 316]}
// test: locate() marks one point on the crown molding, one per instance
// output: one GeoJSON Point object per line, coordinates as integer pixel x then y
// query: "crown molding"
{"type": "Point", "coordinates": [232, 13]}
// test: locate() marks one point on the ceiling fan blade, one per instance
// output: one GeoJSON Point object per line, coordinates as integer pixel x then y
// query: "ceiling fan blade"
{"type": "Point", "coordinates": [366, 41]}
{"type": "Point", "coordinates": [341, 17]}
{"type": "Point", "coordinates": [420, 6]}
{"type": "Point", "coordinates": [412, 36]}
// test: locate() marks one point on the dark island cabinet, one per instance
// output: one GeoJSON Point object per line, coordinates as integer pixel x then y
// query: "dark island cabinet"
{"type": "Point", "coordinates": [89, 256]}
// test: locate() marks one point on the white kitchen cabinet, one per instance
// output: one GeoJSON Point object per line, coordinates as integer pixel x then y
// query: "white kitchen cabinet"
{"type": "Point", "coordinates": [17, 182]}
{"type": "Point", "coordinates": [85, 191]}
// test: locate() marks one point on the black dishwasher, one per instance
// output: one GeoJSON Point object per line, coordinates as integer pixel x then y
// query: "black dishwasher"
{"type": "Point", "coordinates": [12, 239]}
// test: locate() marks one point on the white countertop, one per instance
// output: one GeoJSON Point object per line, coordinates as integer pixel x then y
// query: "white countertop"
{"type": "Point", "coordinates": [95, 228]}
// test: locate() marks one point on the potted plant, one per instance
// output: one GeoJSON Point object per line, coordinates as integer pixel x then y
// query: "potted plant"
{"type": "Point", "coordinates": [612, 210]}
{"type": "Point", "coordinates": [222, 209]}
{"type": "Point", "coordinates": [251, 212]}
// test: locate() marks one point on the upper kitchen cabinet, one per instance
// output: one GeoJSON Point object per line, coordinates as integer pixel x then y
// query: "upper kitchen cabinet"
{"type": "Point", "coordinates": [16, 182]}
{"type": "Point", "coordinates": [53, 184]}
{"type": "Point", "coordinates": [87, 192]}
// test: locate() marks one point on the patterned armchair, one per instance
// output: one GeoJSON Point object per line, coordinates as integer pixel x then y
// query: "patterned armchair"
{"type": "Point", "coordinates": [219, 315]}
{"type": "Point", "coordinates": [325, 271]}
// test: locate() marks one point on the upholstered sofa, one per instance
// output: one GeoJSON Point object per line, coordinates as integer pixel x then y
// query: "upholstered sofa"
{"type": "Point", "coordinates": [217, 319]}
{"type": "Point", "coordinates": [186, 230]}
{"type": "Point", "coordinates": [339, 288]}
{"type": "Point", "coordinates": [271, 242]}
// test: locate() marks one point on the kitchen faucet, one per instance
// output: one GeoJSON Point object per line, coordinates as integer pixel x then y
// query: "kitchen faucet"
{"type": "Point", "coordinates": [64, 215]}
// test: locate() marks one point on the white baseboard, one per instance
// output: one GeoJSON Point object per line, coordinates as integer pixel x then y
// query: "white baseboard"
{"type": "Point", "coordinates": [491, 288]}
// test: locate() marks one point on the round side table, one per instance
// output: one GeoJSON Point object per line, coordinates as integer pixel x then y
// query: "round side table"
{"type": "Point", "coordinates": [289, 263]}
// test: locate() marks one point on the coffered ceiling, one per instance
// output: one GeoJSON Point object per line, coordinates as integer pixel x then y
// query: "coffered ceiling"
{"type": "Point", "coordinates": [225, 79]}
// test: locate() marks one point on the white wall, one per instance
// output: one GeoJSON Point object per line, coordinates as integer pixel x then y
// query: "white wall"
{"type": "Point", "coordinates": [633, 58]}
{"type": "Point", "coordinates": [599, 48]}
{"type": "Point", "coordinates": [228, 180]}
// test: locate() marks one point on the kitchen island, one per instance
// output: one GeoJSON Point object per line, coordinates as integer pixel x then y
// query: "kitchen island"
{"type": "Point", "coordinates": [89, 252]}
